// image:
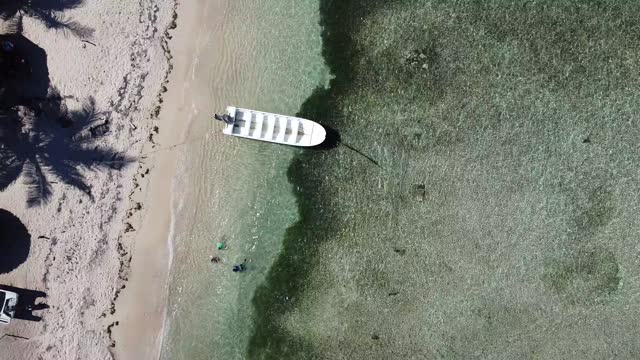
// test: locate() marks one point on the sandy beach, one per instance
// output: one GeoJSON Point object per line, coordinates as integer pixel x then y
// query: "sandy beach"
{"type": "Point", "coordinates": [152, 69]}
{"type": "Point", "coordinates": [141, 317]}
{"type": "Point", "coordinates": [156, 72]}
{"type": "Point", "coordinates": [82, 235]}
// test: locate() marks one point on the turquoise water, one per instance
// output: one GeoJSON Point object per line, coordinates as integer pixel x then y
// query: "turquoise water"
{"type": "Point", "coordinates": [494, 212]}
{"type": "Point", "coordinates": [232, 190]}
{"type": "Point", "coordinates": [482, 202]}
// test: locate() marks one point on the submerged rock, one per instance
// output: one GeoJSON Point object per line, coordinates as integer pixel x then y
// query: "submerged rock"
{"type": "Point", "coordinates": [419, 191]}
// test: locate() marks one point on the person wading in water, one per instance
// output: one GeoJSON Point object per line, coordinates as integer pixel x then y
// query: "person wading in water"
{"type": "Point", "coordinates": [240, 267]}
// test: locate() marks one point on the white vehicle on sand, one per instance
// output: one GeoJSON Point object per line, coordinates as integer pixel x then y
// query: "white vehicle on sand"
{"type": "Point", "coordinates": [8, 302]}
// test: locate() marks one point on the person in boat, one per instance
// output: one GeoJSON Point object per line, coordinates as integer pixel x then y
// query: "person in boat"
{"type": "Point", "coordinates": [240, 267]}
{"type": "Point", "coordinates": [227, 119]}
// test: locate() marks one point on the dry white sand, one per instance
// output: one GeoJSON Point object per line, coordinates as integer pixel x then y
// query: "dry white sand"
{"type": "Point", "coordinates": [80, 251]}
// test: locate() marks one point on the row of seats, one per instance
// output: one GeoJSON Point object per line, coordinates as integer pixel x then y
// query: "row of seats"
{"type": "Point", "coordinates": [254, 126]}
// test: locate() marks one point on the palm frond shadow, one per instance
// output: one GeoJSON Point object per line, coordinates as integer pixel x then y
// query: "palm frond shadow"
{"type": "Point", "coordinates": [24, 71]}
{"type": "Point", "coordinates": [46, 141]}
{"type": "Point", "coordinates": [49, 12]}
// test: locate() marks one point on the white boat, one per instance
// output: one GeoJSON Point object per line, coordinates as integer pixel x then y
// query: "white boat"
{"type": "Point", "coordinates": [281, 129]}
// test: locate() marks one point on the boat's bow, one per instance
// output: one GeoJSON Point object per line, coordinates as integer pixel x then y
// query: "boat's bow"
{"type": "Point", "coordinates": [318, 134]}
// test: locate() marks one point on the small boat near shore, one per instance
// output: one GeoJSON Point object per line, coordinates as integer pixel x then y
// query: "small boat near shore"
{"type": "Point", "coordinates": [281, 129]}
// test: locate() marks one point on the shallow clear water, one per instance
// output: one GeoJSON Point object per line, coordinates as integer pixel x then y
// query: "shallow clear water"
{"type": "Point", "coordinates": [482, 203]}
{"type": "Point", "coordinates": [490, 211]}
{"type": "Point", "coordinates": [233, 190]}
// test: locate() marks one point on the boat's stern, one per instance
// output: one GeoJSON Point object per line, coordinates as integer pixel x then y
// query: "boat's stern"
{"type": "Point", "coordinates": [228, 129]}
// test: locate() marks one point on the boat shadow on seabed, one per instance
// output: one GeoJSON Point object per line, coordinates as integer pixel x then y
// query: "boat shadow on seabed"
{"type": "Point", "coordinates": [317, 107]}
{"type": "Point", "coordinates": [332, 141]}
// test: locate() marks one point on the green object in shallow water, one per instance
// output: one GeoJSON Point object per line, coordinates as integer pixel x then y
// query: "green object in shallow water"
{"type": "Point", "coordinates": [220, 246]}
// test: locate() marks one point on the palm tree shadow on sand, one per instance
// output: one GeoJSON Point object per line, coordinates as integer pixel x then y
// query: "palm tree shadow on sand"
{"type": "Point", "coordinates": [40, 137]}
{"type": "Point", "coordinates": [24, 73]}
{"type": "Point", "coordinates": [15, 242]}
{"type": "Point", "coordinates": [49, 12]}
{"type": "Point", "coordinates": [45, 139]}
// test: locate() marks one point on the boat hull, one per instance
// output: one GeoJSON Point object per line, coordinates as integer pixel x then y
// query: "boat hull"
{"type": "Point", "coordinates": [275, 128]}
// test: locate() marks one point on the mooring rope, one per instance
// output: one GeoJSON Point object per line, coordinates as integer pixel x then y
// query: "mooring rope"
{"type": "Point", "coordinates": [170, 147]}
